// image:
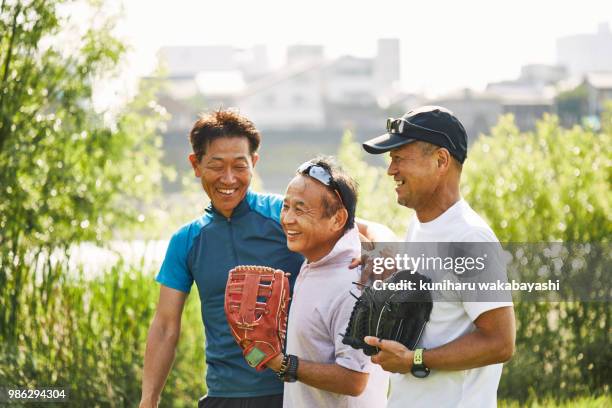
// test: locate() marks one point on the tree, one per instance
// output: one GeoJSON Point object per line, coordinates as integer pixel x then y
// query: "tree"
{"type": "Point", "coordinates": [68, 174]}
{"type": "Point", "coordinates": [572, 105]}
{"type": "Point", "coordinates": [63, 168]}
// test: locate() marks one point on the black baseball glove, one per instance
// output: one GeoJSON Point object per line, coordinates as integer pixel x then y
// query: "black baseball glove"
{"type": "Point", "coordinates": [398, 315]}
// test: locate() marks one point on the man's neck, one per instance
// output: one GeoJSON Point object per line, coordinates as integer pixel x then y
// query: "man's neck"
{"type": "Point", "coordinates": [434, 208]}
{"type": "Point", "coordinates": [322, 250]}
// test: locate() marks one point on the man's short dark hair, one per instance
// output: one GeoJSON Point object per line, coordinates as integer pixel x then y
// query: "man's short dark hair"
{"type": "Point", "coordinates": [428, 148]}
{"type": "Point", "coordinates": [346, 186]}
{"type": "Point", "coordinates": [222, 123]}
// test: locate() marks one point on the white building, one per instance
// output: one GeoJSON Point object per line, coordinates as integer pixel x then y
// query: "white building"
{"type": "Point", "coordinates": [214, 67]}
{"type": "Point", "coordinates": [309, 92]}
{"type": "Point", "coordinates": [542, 74]}
{"type": "Point", "coordinates": [387, 67]}
{"type": "Point", "coordinates": [586, 52]}
{"type": "Point", "coordinates": [478, 111]}
{"type": "Point", "coordinates": [350, 81]}
{"type": "Point", "coordinates": [290, 98]}
{"type": "Point", "coordinates": [315, 93]}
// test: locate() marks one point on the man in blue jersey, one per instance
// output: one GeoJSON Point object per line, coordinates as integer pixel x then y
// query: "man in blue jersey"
{"type": "Point", "coordinates": [240, 227]}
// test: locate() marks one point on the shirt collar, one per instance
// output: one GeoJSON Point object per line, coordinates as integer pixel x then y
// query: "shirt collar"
{"type": "Point", "coordinates": [443, 219]}
{"type": "Point", "coordinates": [346, 248]}
{"type": "Point", "coordinates": [241, 209]}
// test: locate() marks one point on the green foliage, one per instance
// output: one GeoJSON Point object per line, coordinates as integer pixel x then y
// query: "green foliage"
{"type": "Point", "coordinates": [377, 200]}
{"type": "Point", "coordinates": [572, 105]}
{"type": "Point", "coordinates": [552, 184]}
{"type": "Point", "coordinates": [549, 185]}
{"type": "Point", "coordinates": [66, 175]}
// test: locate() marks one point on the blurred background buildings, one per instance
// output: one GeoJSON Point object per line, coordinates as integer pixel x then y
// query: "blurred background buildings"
{"type": "Point", "coordinates": [303, 106]}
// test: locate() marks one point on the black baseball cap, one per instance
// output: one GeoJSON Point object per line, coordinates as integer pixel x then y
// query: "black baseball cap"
{"type": "Point", "coordinates": [432, 124]}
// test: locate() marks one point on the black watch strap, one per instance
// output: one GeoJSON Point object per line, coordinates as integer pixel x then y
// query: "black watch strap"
{"type": "Point", "coordinates": [289, 367]}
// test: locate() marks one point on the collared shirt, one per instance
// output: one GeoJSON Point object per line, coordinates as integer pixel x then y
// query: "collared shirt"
{"type": "Point", "coordinates": [320, 311]}
{"type": "Point", "coordinates": [204, 251]}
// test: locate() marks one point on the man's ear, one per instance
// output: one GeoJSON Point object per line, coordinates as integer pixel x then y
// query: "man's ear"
{"type": "Point", "coordinates": [254, 158]}
{"type": "Point", "coordinates": [340, 218]}
{"type": "Point", "coordinates": [444, 159]}
{"type": "Point", "coordinates": [193, 159]}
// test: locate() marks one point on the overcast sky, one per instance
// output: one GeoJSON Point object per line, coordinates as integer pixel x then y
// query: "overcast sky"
{"type": "Point", "coordinates": [445, 44]}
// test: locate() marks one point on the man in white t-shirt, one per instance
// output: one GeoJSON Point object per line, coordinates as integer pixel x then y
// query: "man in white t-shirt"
{"type": "Point", "coordinates": [318, 218]}
{"type": "Point", "coordinates": [457, 363]}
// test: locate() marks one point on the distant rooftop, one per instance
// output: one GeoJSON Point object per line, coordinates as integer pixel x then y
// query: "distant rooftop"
{"type": "Point", "coordinates": [601, 80]}
{"type": "Point", "coordinates": [506, 93]}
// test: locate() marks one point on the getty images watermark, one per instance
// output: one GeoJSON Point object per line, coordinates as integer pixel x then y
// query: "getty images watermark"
{"type": "Point", "coordinates": [476, 271]}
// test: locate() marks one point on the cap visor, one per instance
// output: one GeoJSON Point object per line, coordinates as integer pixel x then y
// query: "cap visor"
{"type": "Point", "coordinates": [386, 142]}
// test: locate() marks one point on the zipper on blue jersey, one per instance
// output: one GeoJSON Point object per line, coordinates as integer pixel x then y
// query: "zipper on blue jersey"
{"type": "Point", "coordinates": [233, 244]}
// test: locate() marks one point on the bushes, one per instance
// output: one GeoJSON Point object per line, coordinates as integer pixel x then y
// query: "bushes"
{"type": "Point", "coordinates": [552, 184]}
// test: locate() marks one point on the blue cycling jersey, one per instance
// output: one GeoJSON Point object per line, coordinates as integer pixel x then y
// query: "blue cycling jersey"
{"type": "Point", "coordinates": [204, 251]}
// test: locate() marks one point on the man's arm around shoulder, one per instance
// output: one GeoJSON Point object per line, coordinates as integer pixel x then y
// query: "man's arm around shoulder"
{"type": "Point", "coordinates": [161, 344]}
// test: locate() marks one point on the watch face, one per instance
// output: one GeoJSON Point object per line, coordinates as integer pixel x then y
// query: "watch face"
{"type": "Point", "coordinates": [420, 372]}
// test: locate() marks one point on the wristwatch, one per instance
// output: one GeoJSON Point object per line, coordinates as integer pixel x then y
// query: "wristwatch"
{"type": "Point", "coordinates": [419, 370]}
{"type": "Point", "coordinates": [288, 369]}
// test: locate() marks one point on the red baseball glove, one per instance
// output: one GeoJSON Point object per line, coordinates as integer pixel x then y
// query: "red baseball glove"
{"type": "Point", "coordinates": [256, 303]}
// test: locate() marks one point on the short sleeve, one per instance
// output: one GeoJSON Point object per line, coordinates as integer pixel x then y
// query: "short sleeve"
{"type": "Point", "coordinates": [174, 271]}
{"type": "Point", "coordinates": [268, 205]}
{"type": "Point", "coordinates": [475, 309]}
{"type": "Point", "coordinates": [496, 270]}
{"type": "Point", "coordinates": [276, 206]}
{"type": "Point", "coordinates": [479, 234]}
{"type": "Point", "coordinates": [345, 355]}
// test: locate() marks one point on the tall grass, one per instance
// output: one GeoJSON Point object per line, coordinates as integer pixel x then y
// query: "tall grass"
{"type": "Point", "coordinates": [584, 402]}
{"type": "Point", "coordinates": [89, 335]}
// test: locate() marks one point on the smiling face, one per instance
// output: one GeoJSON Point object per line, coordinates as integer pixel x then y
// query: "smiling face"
{"type": "Point", "coordinates": [416, 175]}
{"type": "Point", "coordinates": [308, 231]}
{"type": "Point", "coordinates": [226, 170]}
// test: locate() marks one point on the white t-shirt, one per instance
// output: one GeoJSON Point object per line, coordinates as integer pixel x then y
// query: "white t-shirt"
{"type": "Point", "coordinates": [320, 310]}
{"type": "Point", "coordinates": [448, 321]}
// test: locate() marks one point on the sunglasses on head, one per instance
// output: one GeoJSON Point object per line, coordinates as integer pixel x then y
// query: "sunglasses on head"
{"type": "Point", "coordinates": [322, 175]}
{"type": "Point", "coordinates": [399, 125]}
